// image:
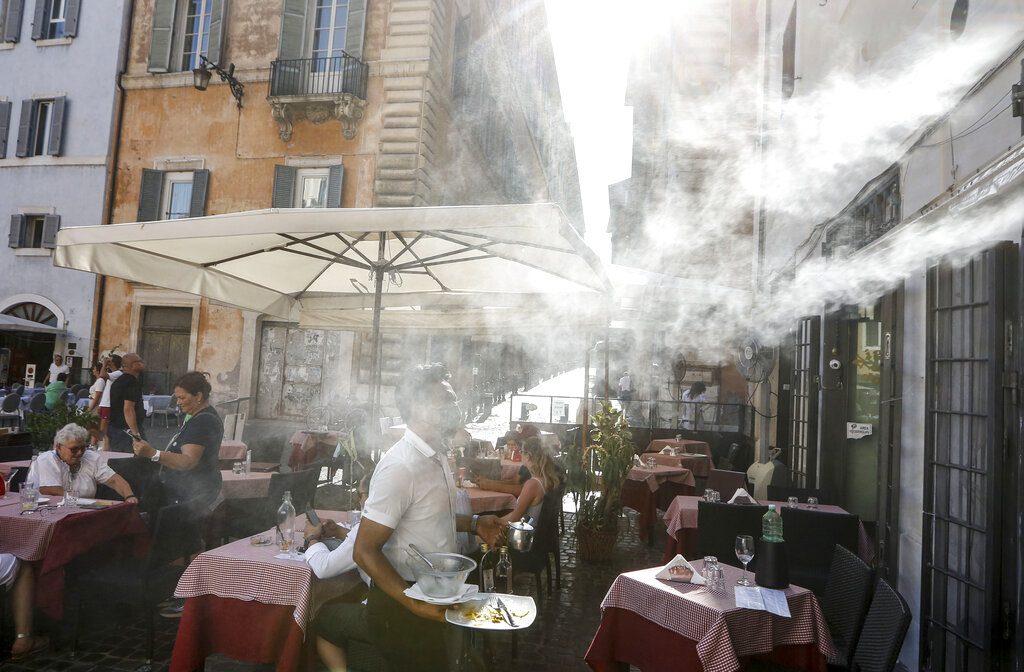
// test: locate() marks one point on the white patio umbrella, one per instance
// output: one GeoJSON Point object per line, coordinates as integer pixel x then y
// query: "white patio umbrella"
{"type": "Point", "coordinates": [276, 261]}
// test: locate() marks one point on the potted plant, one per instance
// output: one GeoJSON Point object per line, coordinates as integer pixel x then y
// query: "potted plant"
{"type": "Point", "coordinates": [596, 475]}
{"type": "Point", "coordinates": [44, 426]}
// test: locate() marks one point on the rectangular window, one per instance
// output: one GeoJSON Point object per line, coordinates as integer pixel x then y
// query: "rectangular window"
{"type": "Point", "coordinates": [195, 31]}
{"type": "Point", "coordinates": [33, 231]}
{"type": "Point", "coordinates": [44, 108]}
{"type": "Point", "coordinates": [177, 196]}
{"type": "Point", "coordinates": [312, 191]}
{"type": "Point", "coordinates": [55, 26]}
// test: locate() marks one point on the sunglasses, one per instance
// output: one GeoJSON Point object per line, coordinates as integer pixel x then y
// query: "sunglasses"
{"type": "Point", "coordinates": [76, 449]}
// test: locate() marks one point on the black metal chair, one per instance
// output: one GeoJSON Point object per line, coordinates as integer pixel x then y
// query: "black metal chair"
{"type": "Point", "coordinates": [845, 602]}
{"type": "Point", "coordinates": [718, 525]}
{"type": "Point", "coordinates": [726, 482]}
{"type": "Point", "coordinates": [18, 389]}
{"type": "Point", "coordinates": [176, 536]}
{"type": "Point", "coordinates": [811, 537]}
{"type": "Point", "coordinates": [82, 393]}
{"type": "Point", "coordinates": [781, 493]}
{"type": "Point", "coordinates": [245, 518]}
{"type": "Point", "coordinates": [10, 411]}
{"type": "Point", "coordinates": [885, 627]}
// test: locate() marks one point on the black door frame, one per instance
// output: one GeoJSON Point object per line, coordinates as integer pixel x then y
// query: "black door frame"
{"type": "Point", "coordinates": [890, 423]}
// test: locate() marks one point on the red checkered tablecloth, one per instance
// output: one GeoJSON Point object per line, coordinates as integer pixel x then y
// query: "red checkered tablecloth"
{"type": "Point", "coordinates": [244, 486]}
{"type": "Point", "coordinates": [250, 573]}
{"type": "Point", "coordinates": [660, 474]}
{"type": "Point", "coordinates": [232, 450]}
{"type": "Point", "coordinates": [722, 631]}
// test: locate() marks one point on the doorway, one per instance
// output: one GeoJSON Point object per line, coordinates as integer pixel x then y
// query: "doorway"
{"type": "Point", "coordinates": [864, 384]}
{"type": "Point", "coordinates": [164, 345]}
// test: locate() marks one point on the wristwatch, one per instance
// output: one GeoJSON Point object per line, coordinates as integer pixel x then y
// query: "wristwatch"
{"type": "Point", "coordinates": [156, 456]}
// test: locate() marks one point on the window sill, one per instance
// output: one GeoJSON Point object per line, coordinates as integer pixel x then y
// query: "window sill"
{"type": "Point", "coordinates": [6, 46]}
{"type": "Point", "coordinates": [32, 252]}
{"type": "Point", "coordinates": [55, 42]}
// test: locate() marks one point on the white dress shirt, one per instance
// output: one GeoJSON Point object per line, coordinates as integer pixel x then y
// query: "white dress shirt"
{"type": "Point", "coordinates": [413, 493]}
{"type": "Point", "coordinates": [51, 471]}
{"type": "Point", "coordinates": [56, 369]}
{"type": "Point", "coordinates": [326, 563]}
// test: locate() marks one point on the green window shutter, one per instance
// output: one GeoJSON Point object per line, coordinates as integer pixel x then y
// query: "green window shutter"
{"type": "Point", "coordinates": [218, 28]}
{"type": "Point", "coordinates": [71, 12]}
{"type": "Point", "coordinates": [57, 125]}
{"type": "Point", "coordinates": [284, 187]}
{"type": "Point", "coordinates": [12, 20]}
{"type": "Point", "coordinates": [293, 30]}
{"type": "Point", "coordinates": [334, 178]}
{"type": "Point", "coordinates": [162, 36]}
{"type": "Point", "coordinates": [200, 182]}
{"type": "Point", "coordinates": [5, 126]}
{"type": "Point", "coordinates": [50, 225]}
{"type": "Point", "coordinates": [25, 127]}
{"type": "Point", "coordinates": [18, 223]}
{"type": "Point", "coordinates": [149, 195]}
{"type": "Point", "coordinates": [39, 19]}
{"type": "Point", "coordinates": [356, 28]}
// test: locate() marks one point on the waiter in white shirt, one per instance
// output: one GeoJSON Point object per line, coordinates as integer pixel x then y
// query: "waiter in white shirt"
{"type": "Point", "coordinates": [412, 501]}
{"type": "Point", "coordinates": [56, 368]}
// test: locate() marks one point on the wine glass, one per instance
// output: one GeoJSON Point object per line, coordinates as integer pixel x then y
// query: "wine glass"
{"type": "Point", "coordinates": [7, 483]}
{"type": "Point", "coordinates": [744, 553]}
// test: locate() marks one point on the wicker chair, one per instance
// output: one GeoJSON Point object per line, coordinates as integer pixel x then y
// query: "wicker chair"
{"type": "Point", "coordinates": [845, 602]}
{"type": "Point", "coordinates": [811, 537]}
{"type": "Point", "coordinates": [719, 524]}
{"type": "Point", "coordinates": [885, 626]}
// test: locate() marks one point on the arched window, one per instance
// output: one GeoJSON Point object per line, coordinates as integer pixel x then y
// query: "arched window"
{"type": "Point", "coordinates": [33, 312]}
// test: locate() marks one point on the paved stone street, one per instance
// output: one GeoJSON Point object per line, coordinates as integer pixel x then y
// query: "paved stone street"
{"type": "Point", "coordinates": [557, 641]}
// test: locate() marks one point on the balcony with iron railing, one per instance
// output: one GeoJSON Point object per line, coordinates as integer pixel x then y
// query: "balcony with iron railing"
{"type": "Point", "coordinates": [318, 89]}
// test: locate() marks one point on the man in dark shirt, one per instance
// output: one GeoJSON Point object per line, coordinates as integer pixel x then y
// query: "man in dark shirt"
{"type": "Point", "coordinates": [126, 409]}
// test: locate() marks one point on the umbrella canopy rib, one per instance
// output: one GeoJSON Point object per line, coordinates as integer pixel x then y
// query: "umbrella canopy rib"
{"type": "Point", "coordinates": [499, 241]}
{"type": "Point", "coordinates": [424, 261]}
{"type": "Point", "coordinates": [352, 246]}
{"type": "Point", "coordinates": [332, 253]}
{"type": "Point", "coordinates": [406, 246]}
{"type": "Point", "coordinates": [444, 288]}
{"type": "Point", "coordinates": [277, 248]}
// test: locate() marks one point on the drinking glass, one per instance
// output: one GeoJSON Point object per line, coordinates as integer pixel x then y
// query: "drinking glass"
{"type": "Point", "coordinates": [71, 495]}
{"type": "Point", "coordinates": [7, 483]}
{"type": "Point", "coordinates": [715, 577]}
{"type": "Point", "coordinates": [812, 502]}
{"type": "Point", "coordinates": [793, 502]}
{"type": "Point", "coordinates": [744, 553]}
{"type": "Point", "coordinates": [651, 463]}
{"type": "Point", "coordinates": [708, 495]}
{"type": "Point", "coordinates": [236, 468]}
{"type": "Point", "coordinates": [716, 496]}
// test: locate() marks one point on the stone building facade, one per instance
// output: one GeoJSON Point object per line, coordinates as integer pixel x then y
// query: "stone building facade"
{"type": "Point", "coordinates": [364, 103]}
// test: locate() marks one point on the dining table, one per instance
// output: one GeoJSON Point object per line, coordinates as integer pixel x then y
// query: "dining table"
{"type": "Point", "coordinates": [53, 537]}
{"type": "Point", "coordinates": [489, 500]}
{"type": "Point", "coordinates": [646, 490]}
{"type": "Point", "coordinates": [254, 604]}
{"type": "Point", "coordinates": [657, 625]}
{"type": "Point", "coordinates": [685, 445]}
{"type": "Point", "coordinates": [308, 447]}
{"type": "Point", "coordinates": [254, 485]}
{"type": "Point", "coordinates": [681, 522]}
{"type": "Point", "coordinates": [698, 463]}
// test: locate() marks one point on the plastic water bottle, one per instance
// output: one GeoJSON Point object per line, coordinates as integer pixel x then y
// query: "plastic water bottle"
{"type": "Point", "coordinates": [248, 462]}
{"type": "Point", "coordinates": [286, 524]}
{"type": "Point", "coordinates": [771, 525]}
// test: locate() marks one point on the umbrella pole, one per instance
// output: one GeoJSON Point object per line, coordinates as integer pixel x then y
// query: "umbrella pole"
{"type": "Point", "coordinates": [585, 425]}
{"type": "Point", "coordinates": [375, 355]}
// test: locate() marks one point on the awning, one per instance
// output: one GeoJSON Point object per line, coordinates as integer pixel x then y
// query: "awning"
{"type": "Point", "coordinates": [11, 323]}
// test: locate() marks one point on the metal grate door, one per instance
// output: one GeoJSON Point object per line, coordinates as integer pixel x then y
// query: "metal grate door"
{"type": "Point", "coordinates": [804, 404]}
{"type": "Point", "coordinates": [963, 460]}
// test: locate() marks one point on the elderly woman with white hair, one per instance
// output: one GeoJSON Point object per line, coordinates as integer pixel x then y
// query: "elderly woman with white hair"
{"type": "Point", "coordinates": [70, 462]}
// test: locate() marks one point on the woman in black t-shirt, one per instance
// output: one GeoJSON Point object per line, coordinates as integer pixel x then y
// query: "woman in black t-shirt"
{"type": "Point", "coordinates": [190, 467]}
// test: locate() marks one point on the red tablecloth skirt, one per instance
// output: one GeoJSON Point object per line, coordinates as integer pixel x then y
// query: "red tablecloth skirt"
{"type": "Point", "coordinates": [627, 637]}
{"type": "Point", "coordinates": [637, 495]}
{"type": "Point", "coordinates": [251, 632]}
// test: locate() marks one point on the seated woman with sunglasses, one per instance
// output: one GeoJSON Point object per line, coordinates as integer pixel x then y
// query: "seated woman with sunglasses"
{"type": "Point", "coordinates": [70, 462]}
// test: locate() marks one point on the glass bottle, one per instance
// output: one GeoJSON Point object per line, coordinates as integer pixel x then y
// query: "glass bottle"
{"type": "Point", "coordinates": [487, 562]}
{"type": "Point", "coordinates": [286, 523]}
{"type": "Point", "coordinates": [503, 573]}
{"type": "Point", "coordinates": [771, 525]}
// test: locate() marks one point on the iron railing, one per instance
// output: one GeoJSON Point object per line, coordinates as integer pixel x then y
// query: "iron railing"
{"type": "Point", "coordinates": [319, 76]}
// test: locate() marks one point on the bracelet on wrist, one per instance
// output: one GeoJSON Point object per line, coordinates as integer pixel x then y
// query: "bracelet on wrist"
{"type": "Point", "coordinates": [473, 522]}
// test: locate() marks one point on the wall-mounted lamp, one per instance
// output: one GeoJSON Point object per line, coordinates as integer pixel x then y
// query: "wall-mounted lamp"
{"type": "Point", "coordinates": [201, 77]}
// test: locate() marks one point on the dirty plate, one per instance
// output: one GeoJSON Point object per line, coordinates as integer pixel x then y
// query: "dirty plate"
{"type": "Point", "coordinates": [261, 540]}
{"type": "Point", "coordinates": [483, 612]}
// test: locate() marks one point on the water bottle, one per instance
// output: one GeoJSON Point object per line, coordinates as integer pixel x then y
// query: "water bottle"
{"type": "Point", "coordinates": [286, 524]}
{"type": "Point", "coordinates": [248, 462]}
{"type": "Point", "coordinates": [503, 573]}
{"type": "Point", "coordinates": [487, 562]}
{"type": "Point", "coordinates": [771, 525]}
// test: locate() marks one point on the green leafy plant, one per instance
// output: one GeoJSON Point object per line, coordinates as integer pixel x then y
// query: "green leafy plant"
{"type": "Point", "coordinates": [598, 471]}
{"type": "Point", "coordinates": [44, 426]}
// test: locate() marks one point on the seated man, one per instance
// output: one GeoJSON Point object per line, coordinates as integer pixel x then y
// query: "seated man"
{"type": "Point", "coordinates": [70, 462]}
{"type": "Point", "coordinates": [337, 623]}
{"type": "Point", "coordinates": [55, 390]}
{"type": "Point", "coordinates": [19, 578]}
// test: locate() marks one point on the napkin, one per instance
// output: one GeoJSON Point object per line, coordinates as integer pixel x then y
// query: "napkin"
{"type": "Point", "coordinates": [741, 496]}
{"type": "Point", "coordinates": [637, 462]}
{"type": "Point", "coordinates": [667, 450]}
{"type": "Point", "coordinates": [680, 561]}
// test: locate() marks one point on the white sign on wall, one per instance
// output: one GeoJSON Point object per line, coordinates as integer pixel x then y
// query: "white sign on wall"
{"type": "Point", "coordinates": [858, 430]}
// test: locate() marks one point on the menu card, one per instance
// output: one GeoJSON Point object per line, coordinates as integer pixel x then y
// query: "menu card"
{"type": "Point", "coordinates": [762, 599]}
